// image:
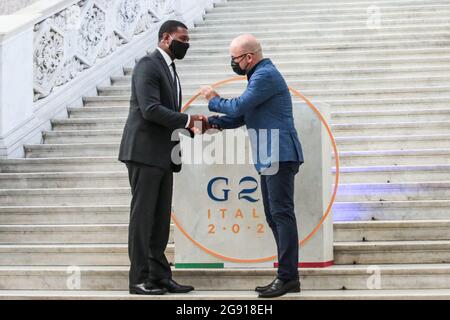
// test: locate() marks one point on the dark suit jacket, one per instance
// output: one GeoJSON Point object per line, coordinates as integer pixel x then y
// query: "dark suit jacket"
{"type": "Point", "coordinates": [154, 115]}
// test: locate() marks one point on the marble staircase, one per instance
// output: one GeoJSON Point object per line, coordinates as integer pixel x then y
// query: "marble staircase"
{"type": "Point", "coordinates": [388, 82]}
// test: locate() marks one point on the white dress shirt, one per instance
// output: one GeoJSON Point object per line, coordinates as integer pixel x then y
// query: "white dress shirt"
{"type": "Point", "coordinates": [169, 62]}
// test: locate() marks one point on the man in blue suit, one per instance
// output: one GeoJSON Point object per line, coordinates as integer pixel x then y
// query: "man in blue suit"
{"type": "Point", "coordinates": [266, 107]}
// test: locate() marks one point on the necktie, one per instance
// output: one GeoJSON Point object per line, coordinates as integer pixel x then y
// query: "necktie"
{"type": "Point", "coordinates": [175, 78]}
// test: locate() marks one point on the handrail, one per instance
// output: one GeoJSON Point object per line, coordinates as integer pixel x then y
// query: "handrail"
{"type": "Point", "coordinates": [31, 15]}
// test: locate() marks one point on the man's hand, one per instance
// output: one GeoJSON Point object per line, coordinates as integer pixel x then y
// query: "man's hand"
{"type": "Point", "coordinates": [199, 124]}
{"type": "Point", "coordinates": [195, 120]}
{"type": "Point", "coordinates": [208, 93]}
{"type": "Point", "coordinates": [212, 122]}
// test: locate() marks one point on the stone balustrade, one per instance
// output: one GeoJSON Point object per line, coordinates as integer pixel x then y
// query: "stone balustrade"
{"type": "Point", "coordinates": [11, 6]}
{"type": "Point", "coordinates": [54, 52]}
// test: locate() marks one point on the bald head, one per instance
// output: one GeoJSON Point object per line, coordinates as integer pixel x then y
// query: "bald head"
{"type": "Point", "coordinates": [245, 43]}
{"type": "Point", "coordinates": [248, 48]}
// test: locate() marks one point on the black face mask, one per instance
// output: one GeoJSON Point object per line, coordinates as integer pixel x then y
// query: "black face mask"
{"type": "Point", "coordinates": [237, 68]}
{"type": "Point", "coordinates": [179, 49]}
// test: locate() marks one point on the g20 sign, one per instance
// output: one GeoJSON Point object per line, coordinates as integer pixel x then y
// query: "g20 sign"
{"type": "Point", "coordinates": [245, 193]}
{"type": "Point", "coordinates": [229, 216]}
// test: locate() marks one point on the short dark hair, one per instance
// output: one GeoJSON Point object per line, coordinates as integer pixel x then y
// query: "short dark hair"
{"type": "Point", "coordinates": [170, 26]}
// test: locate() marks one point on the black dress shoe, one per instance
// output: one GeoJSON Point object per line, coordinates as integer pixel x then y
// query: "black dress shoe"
{"type": "Point", "coordinates": [264, 288]}
{"type": "Point", "coordinates": [145, 289]}
{"type": "Point", "coordinates": [173, 287]}
{"type": "Point", "coordinates": [280, 288]}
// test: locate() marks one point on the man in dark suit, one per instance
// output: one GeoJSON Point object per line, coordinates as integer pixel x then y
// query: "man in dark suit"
{"type": "Point", "coordinates": [146, 149]}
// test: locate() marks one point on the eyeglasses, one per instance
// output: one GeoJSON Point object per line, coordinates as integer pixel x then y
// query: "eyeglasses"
{"type": "Point", "coordinates": [241, 56]}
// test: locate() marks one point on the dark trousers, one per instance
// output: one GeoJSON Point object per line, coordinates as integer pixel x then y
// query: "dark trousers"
{"type": "Point", "coordinates": [149, 228]}
{"type": "Point", "coordinates": [278, 199]}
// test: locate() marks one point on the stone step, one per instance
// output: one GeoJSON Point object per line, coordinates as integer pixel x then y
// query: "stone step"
{"type": "Point", "coordinates": [103, 112]}
{"type": "Point", "coordinates": [405, 103]}
{"type": "Point", "coordinates": [391, 129]}
{"type": "Point", "coordinates": [323, 20]}
{"type": "Point", "coordinates": [388, 73]}
{"type": "Point", "coordinates": [425, 276]}
{"type": "Point", "coordinates": [391, 210]}
{"type": "Point", "coordinates": [114, 96]}
{"type": "Point", "coordinates": [394, 174]}
{"type": "Point", "coordinates": [68, 255]}
{"type": "Point", "coordinates": [322, 15]}
{"type": "Point", "coordinates": [394, 157]}
{"type": "Point", "coordinates": [236, 4]}
{"type": "Point", "coordinates": [369, 231]}
{"type": "Point", "coordinates": [237, 7]}
{"type": "Point", "coordinates": [343, 211]}
{"type": "Point", "coordinates": [344, 131]}
{"type": "Point", "coordinates": [363, 105]}
{"type": "Point", "coordinates": [335, 45]}
{"type": "Point", "coordinates": [313, 37]}
{"type": "Point", "coordinates": [65, 197]}
{"type": "Point", "coordinates": [205, 29]}
{"type": "Point", "coordinates": [53, 180]}
{"type": "Point", "coordinates": [263, 3]}
{"type": "Point", "coordinates": [342, 25]}
{"type": "Point", "coordinates": [349, 192]}
{"type": "Point", "coordinates": [89, 118]}
{"type": "Point", "coordinates": [100, 112]}
{"type": "Point", "coordinates": [331, 78]}
{"type": "Point", "coordinates": [307, 295]}
{"type": "Point", "coordinates": [338, 117]}
{"type": "Point", "coordinates": [397, 125]}
{"type": "Point", "coordinates": [110, 149]}
{"type": "Point", "coordinates": [366, 231]}
{"type": "Point", "coordinates": [392, 252]}
{"type": "Point", "coordinates": [219, 63]}
{"type": "Point", "coordinates": [105, 179]}
{"type": "Point", "coordinates": [57, 215]}
{"type": "Point", "coordinates": [393, 142]}
{"type": "Point", "coordinates": [359, 56]}
{"type": "Point", "coordinates": [390, 115]}
{"type": "Point", "coordinates": [107, 169]}
{"type": "Point", "coordinates": [330, 68]}
{"type": "Point", "coordinates": [86, 164]}
{"type": "Point", "coordinates": [118, 214]}
{"type": "Point", "coordinates": [381, 252]}
{"type": "Point", "coordinates": [72, 150]}
{"type": "Point", "coordinates": [307, 83]}
{"type": "Point", "coordinates": [79, 137]}
{"type": "Point", "coordinates": [342, 120]}
{"type": "Point", "coordinates": [66, 234]}
{"type": "Point", "coordinates": [117, 123]}
{"type": "Point", "coordinates": [368, 86]}
{"type": "Point", "coordinates": [321, 10]}
{"type": "Point", "coordinates": [345, 143]}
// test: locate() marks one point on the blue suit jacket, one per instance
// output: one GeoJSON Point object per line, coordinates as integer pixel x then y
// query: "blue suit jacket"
{"type": "Point", "coordinates": [265, 104]}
